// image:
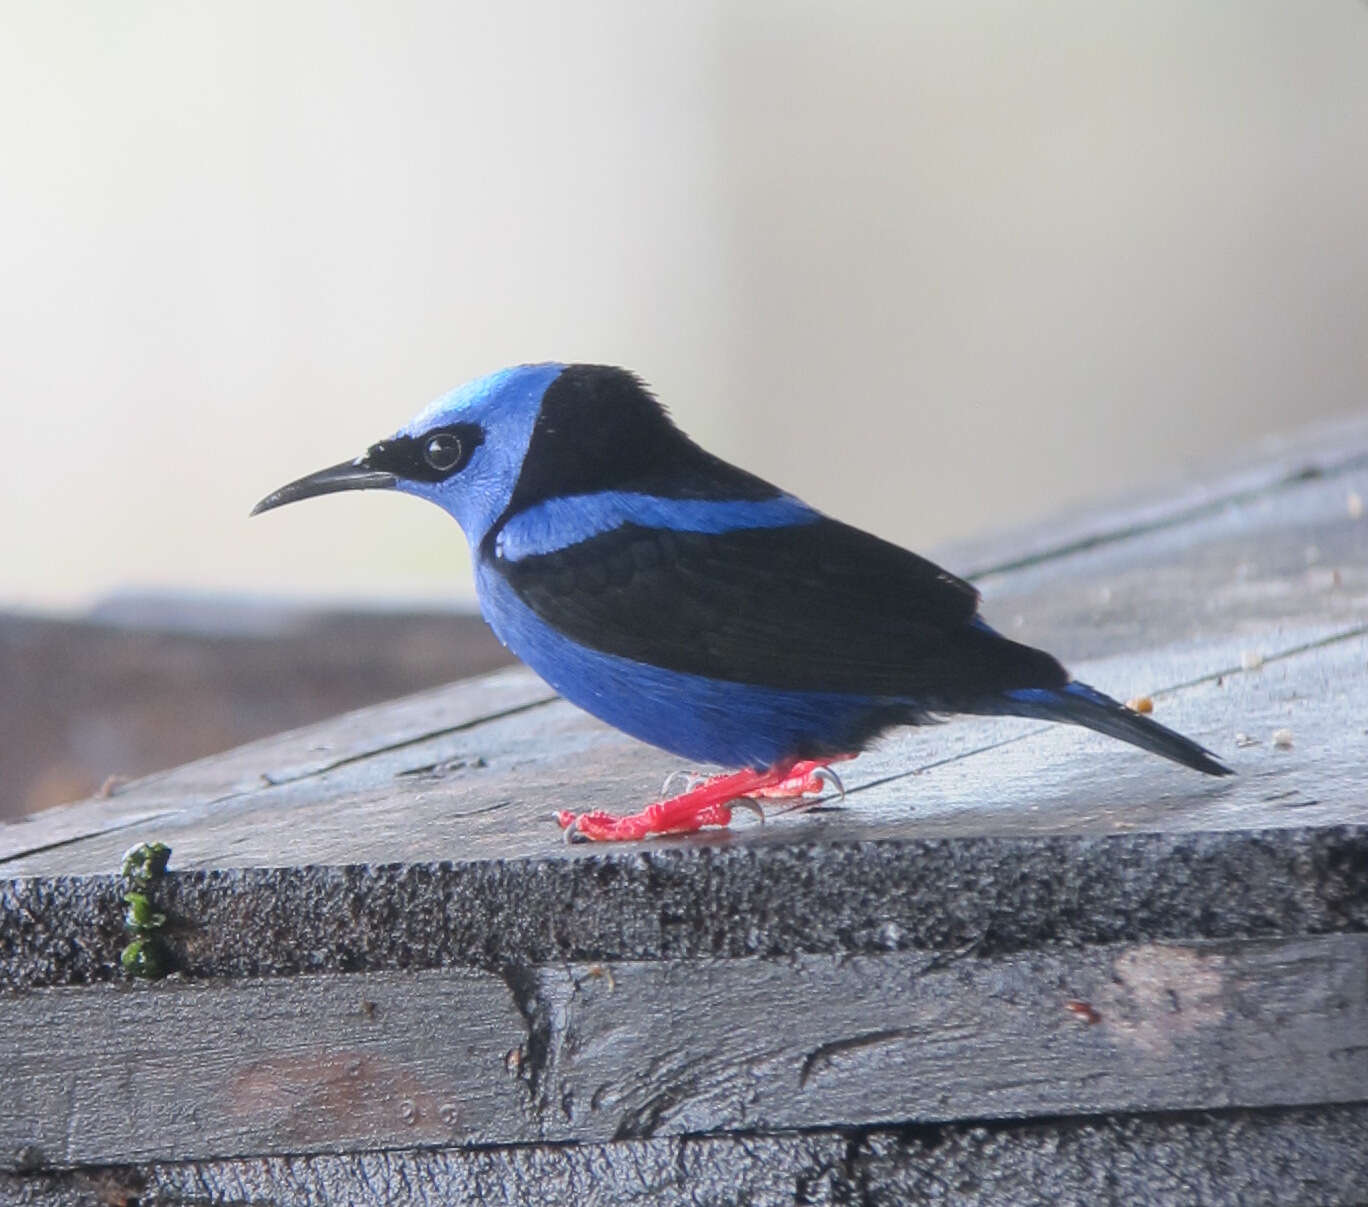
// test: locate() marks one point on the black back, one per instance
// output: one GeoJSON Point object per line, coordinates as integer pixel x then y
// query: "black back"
{"type": "Point", "coordinates": [817, 606]}
{"type": "Point", "coordinates": [600, 429]}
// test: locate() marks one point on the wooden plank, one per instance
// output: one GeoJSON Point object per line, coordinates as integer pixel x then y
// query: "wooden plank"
{"type": "Point", "coordinates": [992, 895]}
{"type": "Point", "coordinates": [1337, 448]}
{"type": "Point", "coordinates": [970, 777]}
{"type": "Point", "coordinates": [972, 782]}
{"type": "Point", "coordinates": [1173, 604]}
{"type": "Point", "coordinates": [303, 1065]}
{"type": "Point", "coordinates": [374, 1061]}
{"type": "Point", "coordinates": [283, 758]}
{"type": "Point", "coordinates": [1231, 1157]}
{"type": "Point", "coordinates": [904, 1037]}
{"type": "Point", "coordinates": [1295, 556]}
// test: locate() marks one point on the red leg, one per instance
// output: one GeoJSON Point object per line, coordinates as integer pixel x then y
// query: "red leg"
{"type": "Point", "coordinates": [708, 804]}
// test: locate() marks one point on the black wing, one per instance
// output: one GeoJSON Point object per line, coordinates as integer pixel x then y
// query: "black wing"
{"type": "Point", "coordinates": [819, 606]}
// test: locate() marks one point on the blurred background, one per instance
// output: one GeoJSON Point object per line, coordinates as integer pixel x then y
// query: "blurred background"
{"type": "Point", "coordinates": [937, 267]}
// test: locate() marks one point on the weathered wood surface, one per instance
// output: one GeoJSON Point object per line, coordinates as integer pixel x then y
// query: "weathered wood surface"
{"type": "Point", "coordinates": [984, 896]}
{"type": "Point", "coordinates": [473, 771]}
{"type": "Point", "coordinates": [634, 1050]}
{"type": "Point", "coordinates": [1297, 1156]}
{"type": "Point", "coordinates": [907, 954]}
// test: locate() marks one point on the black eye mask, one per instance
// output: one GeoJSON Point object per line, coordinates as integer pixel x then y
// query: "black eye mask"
{"type": "Point", "coordinates": [433, 456]}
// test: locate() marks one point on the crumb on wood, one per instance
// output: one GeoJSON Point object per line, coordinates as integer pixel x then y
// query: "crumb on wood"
{"type": "Point", "coordinates": [1282, 739]}
{"type": "Point", "coordinates": [1083, 1011]}
{"type": "Point", "coordinates": [1143, 704]}
{"type": "Point", "coordinates": [1353, 504]}
{"type": "Point", "coordinates": [602, 970]}
{"type": "Point", "coordinates": [1243, 739]}
{"type": "Point", "coordinates": [1251, 660]}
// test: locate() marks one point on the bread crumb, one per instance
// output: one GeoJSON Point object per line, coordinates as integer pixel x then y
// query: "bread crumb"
{"type": "Point", "coordinates": [1251, 660]}
{"type": "Point", "coordinates": [1244, 739]}
{"type": "Point", "coordinates": [1282, 739]}
{"type": "Point", "coordinates": [1083, 1011]}
{"type": "Point", "coordinates": [1140, 704]}
{"type": "Point", "coordinates": [1354, 505]}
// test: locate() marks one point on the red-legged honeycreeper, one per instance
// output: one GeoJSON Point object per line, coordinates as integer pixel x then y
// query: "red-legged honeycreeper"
{"type": "Point", "coordinates": [694, 605]}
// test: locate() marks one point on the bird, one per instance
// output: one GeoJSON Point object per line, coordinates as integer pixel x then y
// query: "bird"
{"type": "Point", "coordinates": [697, 607]}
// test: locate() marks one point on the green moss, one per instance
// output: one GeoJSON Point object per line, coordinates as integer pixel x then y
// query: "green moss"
{"type": "Point", "coordinates": [146, 862]}
{"type": "Point", "coordinates": [146, 956]}
{"type": "Point", "coordinates": [140, 917]}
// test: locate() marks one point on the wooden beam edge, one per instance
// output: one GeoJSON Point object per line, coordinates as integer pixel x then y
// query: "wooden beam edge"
{"type": "Point", "coordinates": [1227, 1157]}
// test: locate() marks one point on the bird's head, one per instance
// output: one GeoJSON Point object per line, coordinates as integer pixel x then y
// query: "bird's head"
{"type": "Point", "coordinates": [515, 438]}
{"type": "Point", "coordinates": [464, 451]}
{"type": "Point", "coordinates": [521, 436]}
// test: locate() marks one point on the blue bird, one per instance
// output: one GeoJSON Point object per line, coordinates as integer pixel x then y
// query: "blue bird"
{"type": "Point", "coordinates": [697, 607]}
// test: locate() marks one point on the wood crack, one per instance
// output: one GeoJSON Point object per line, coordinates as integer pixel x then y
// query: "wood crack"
{"type": "Point", "coordinates": [825, 1055]}
{"type": "Point", "coordinates": [404, 744]}
{"type": "Point", "coordinates": [85, 834]}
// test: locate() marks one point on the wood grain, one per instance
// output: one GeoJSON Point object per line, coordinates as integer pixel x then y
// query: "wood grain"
{"type": "Point", "coordinates": [1284, 1156]}
{"type": "Point", "coordinates": [601, 1052]}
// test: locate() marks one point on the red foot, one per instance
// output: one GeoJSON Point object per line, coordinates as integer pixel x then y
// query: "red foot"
{"type": "Point", "coordinates": [808, 778]}
{"type": "Point", "coordinates": [708, 804]}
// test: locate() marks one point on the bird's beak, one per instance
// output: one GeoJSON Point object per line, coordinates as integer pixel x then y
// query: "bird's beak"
{"type": "Point", "coordinates": [350, 475]}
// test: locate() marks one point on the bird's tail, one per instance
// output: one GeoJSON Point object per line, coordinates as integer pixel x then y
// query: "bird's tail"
{"type": "Point", "coordinates": [1082, 705]}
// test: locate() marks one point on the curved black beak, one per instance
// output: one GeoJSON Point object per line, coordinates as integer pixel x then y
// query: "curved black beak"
{"type": "Point", "coordinates": [350, 475]}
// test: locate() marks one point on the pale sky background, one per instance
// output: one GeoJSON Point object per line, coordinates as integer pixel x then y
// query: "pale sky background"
{"type": "Point", "coordinates": [936, 267]}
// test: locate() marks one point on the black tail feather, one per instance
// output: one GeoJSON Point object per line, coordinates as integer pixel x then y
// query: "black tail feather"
{"type": "Point", "coordinates": [1082, 705]}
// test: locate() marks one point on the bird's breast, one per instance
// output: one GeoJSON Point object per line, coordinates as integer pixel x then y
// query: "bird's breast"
{"type": "Point", "coordinates": [700, 719]}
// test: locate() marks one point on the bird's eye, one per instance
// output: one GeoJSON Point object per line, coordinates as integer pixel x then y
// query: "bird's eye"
{"type": "Point", "coordinates": [443, 451]}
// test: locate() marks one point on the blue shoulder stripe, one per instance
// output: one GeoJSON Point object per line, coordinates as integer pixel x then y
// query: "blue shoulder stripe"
{"type": "Point", "coordinates": [562, 522]}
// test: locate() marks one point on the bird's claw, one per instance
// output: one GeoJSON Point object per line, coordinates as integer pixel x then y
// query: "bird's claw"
{"type": "Point", "coordinates": [600, 826]}
{"type": "Point", "coordinates": [749, 803]}
{"type": "Point", "coordinates": [692, 780]}
{"type": "Point", "coordinates": [804, 779]}
{"type": "Point", "coordinates": [826, 775]}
